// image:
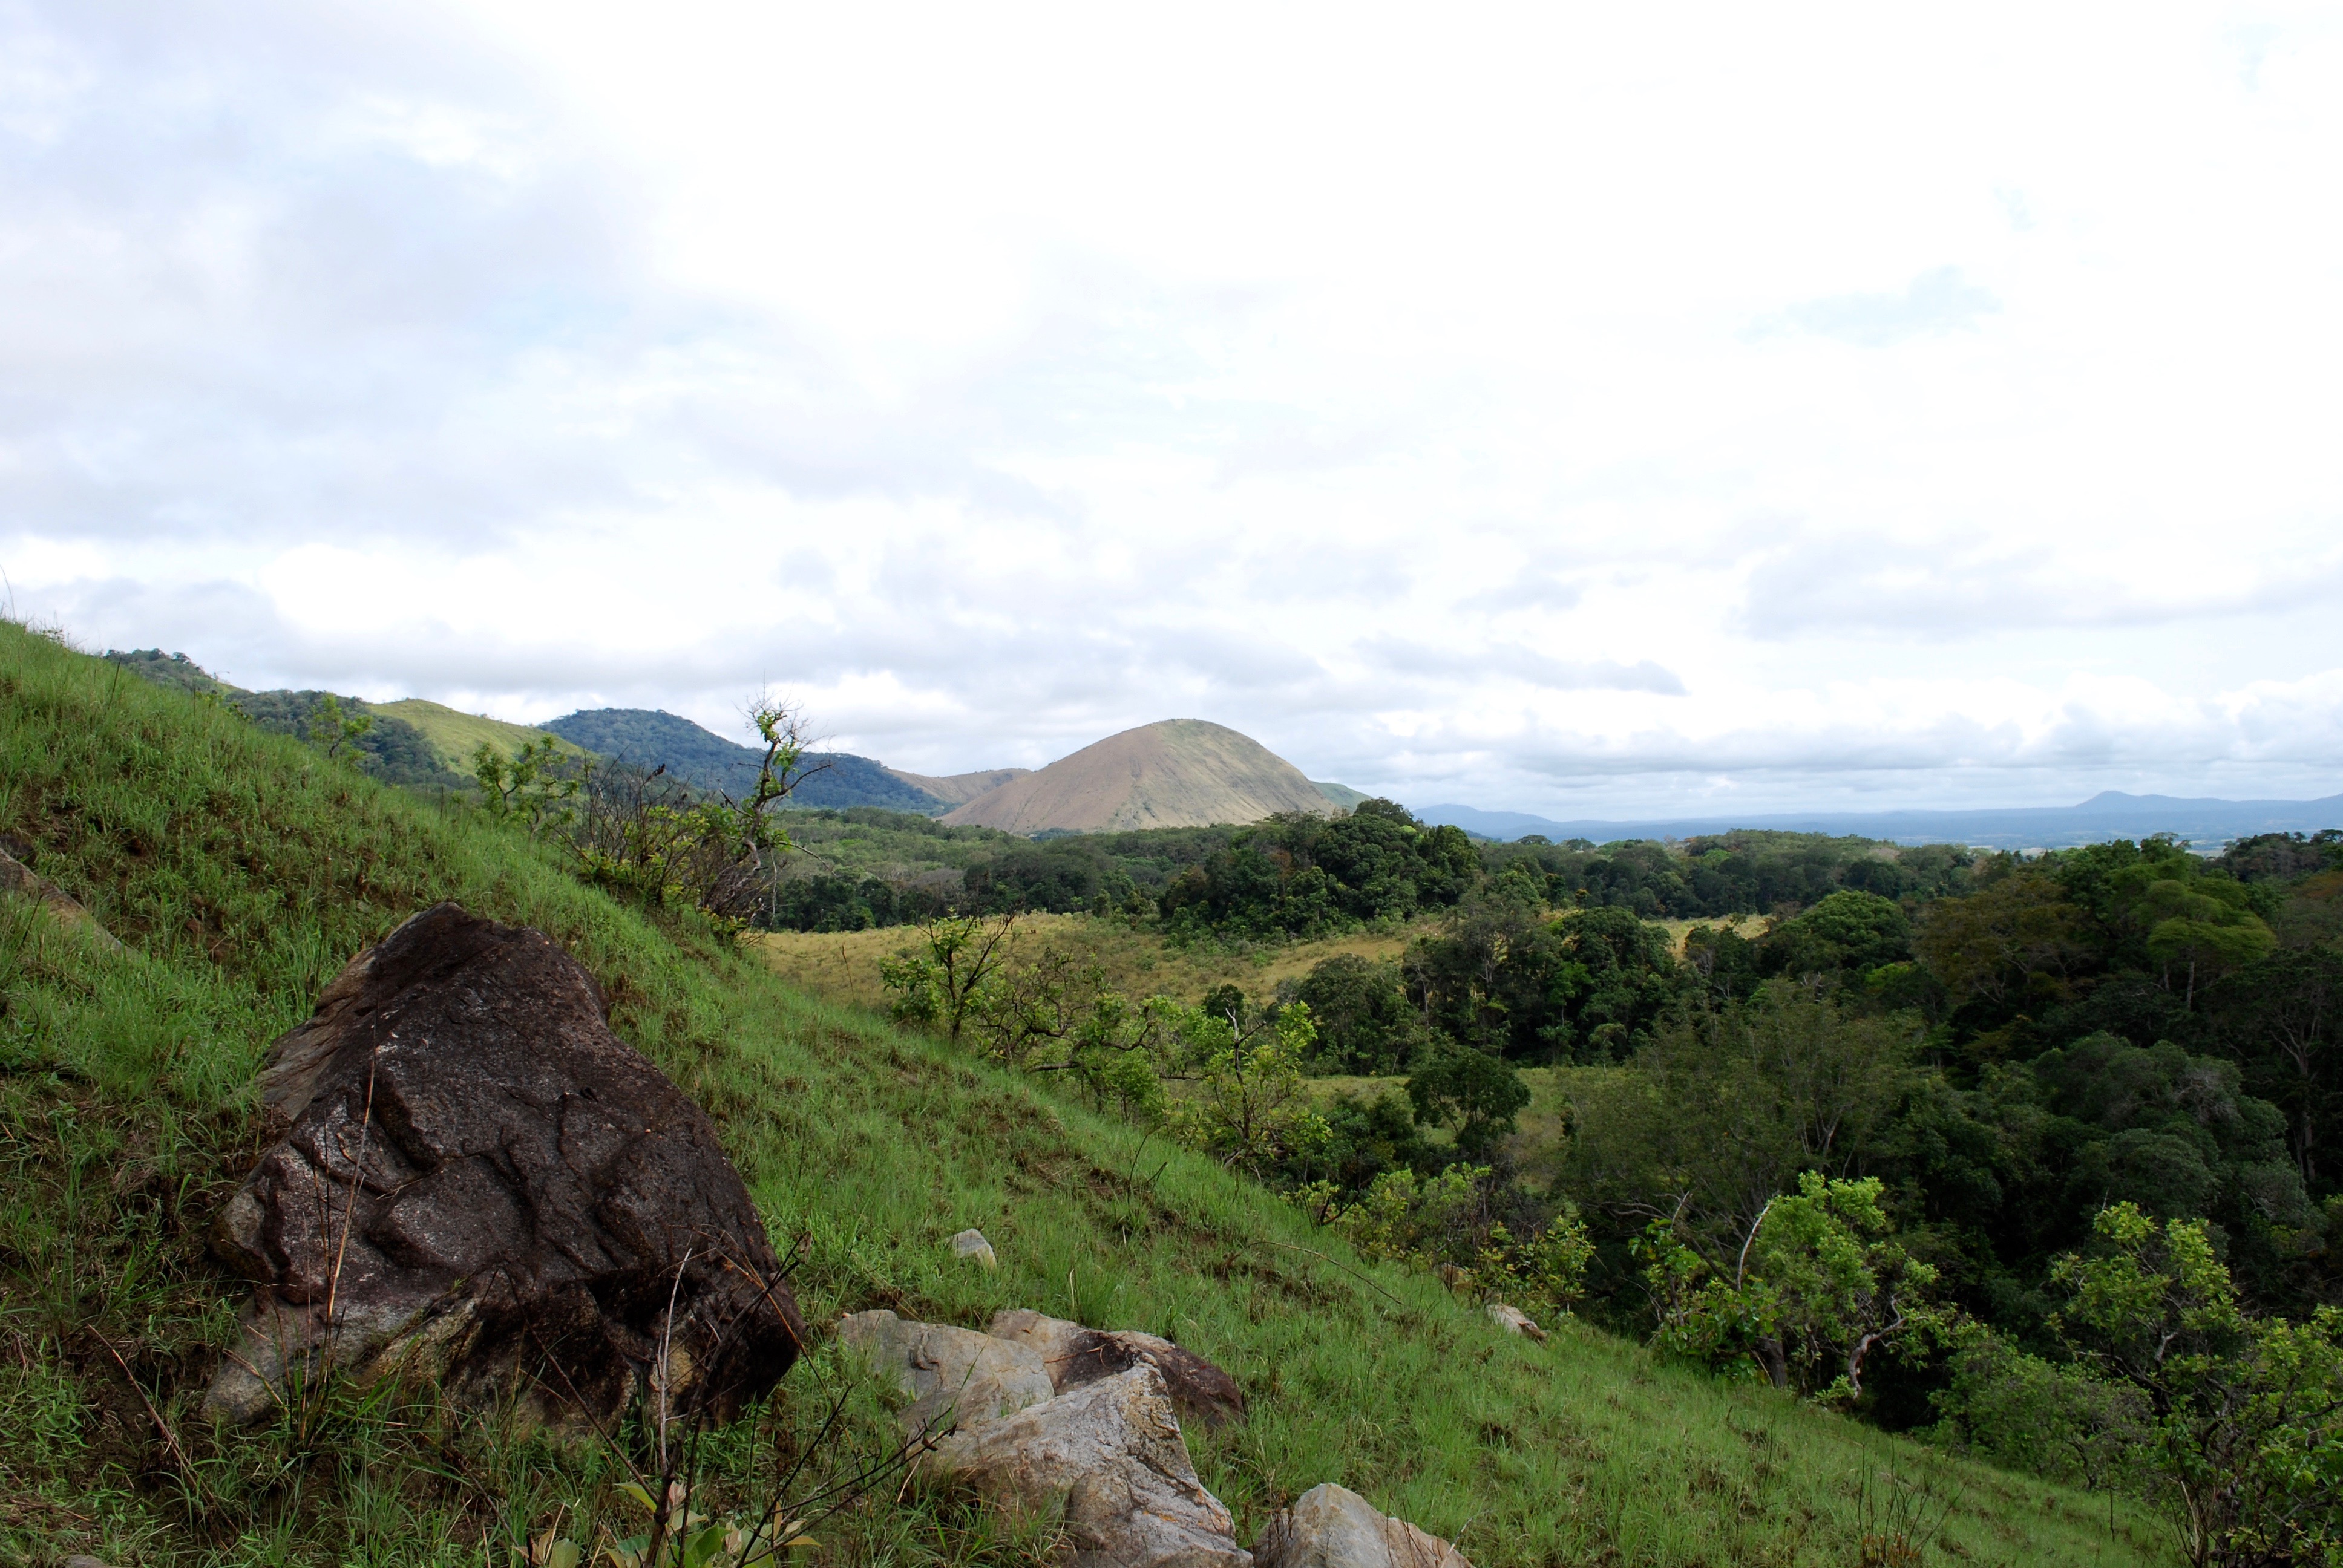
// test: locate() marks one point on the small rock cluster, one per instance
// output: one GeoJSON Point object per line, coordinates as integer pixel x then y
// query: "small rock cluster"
{"type": "Point", "coordinates": [1036, 1412]}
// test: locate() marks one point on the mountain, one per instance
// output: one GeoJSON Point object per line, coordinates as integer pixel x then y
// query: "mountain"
{"type": "Point", "coordinates": [640, 735]}
{"type": "Point", "coordinates": [456, 737]}
{"type": "Point", "coordinates": [1341, 795]}
{"type": "Point", "coordinates": [957, 789]}
{"type": "Point", "coordinates": [1179, 773]}
{"type": "Point", "coordinates": [2111, 814]}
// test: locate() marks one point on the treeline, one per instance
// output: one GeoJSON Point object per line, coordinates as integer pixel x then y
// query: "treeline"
{"type": "Point", "coordinates": [1301, 876]}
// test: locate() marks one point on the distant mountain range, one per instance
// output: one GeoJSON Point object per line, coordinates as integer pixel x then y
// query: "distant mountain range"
{"type": "Point", "coordinates": [1180, 772]}
{"type": "Point", "coordinates": [2110, 815]}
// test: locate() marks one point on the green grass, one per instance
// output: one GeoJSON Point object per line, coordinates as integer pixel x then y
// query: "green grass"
{"type": "Point", "coordinates": [242, 870]}
{"type": "Point", "coordinates": [456, 737]}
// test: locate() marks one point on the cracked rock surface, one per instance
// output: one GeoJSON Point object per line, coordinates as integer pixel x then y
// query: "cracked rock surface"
{"type": "Point", "coordinates": [474, 1182]}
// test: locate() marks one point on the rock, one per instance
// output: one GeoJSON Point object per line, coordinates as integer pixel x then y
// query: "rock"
{"type": "Point", "coordinates": [972, 1244]}
{"type": "Point", "coordinates": [80, 1560]}
{"type": "Point", "coordinates": [17, 876]}
{"type": "Point", "coordinates": [474, 1182]}
{"type": "Point", "coordinates": [954, 1375]}
{"type": "Point", "coordinates": [1330, 1526]}
{"type": "Point", "coordinates": [1513, 1321]}
{"type": "Point", "coordinates": [1076, 1355]}
{"type": "Point", "coordinates": [1112, 1451]}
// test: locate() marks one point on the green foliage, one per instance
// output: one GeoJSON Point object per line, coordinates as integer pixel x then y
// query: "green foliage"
{"type": "Point", "coordinates": [1301, 875]}
{"type": "Point", "coordinates": [1450, 1225]}
{"type": "Point", "coordinates": [534, 784]}
{"type": "Point", "coordinates": [1746, 873]}
{"type": "Point", "coordinates": [1471, 1091]}
{"type": "Point", "coordinates": [2247, 1411]}
{"type": "Point", "coordinates": [1249, 1107]}
{"type": "Point", "coordinates": [1818, 1288]}
{"type": "Point", "coordinates": [1361, 1007]}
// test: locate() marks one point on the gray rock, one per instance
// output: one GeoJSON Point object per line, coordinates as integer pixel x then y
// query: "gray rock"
{"type": "Point", "coordinates": [1513, 1321]}
{"type": "Point", "coordinates": [17, 878]}
{"type": "Point", "coordinates": [474, 1182]}
{"type": "Point", "coordinates": [972, 1244]}
{"type": "Point", "coordinates": [1112, 1452]}
{"type": "Point", "coordinates": [954, 1375]}
{"type": "Point", "coordinates": [1330, 1526]}
{"type": "Point", "coordinates": [1076, 1355]}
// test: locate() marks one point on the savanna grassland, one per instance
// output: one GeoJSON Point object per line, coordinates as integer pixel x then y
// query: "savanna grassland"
{"type": "Point", "coordinates": [241, 869]}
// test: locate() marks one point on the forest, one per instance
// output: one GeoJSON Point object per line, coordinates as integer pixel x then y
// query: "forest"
{"type": "Point", "coordinates": [2036, 1157]}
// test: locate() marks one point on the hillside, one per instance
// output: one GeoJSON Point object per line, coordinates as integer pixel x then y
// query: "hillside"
{"type": "Point", "coordinates": [456, 737]}
{"type": "Point", "coordinates": [652, 739]}
{"type": "Point", "coordinates": [241, 869]}
{"type": "Point", "coordinates": [1178, 773]}
{"type": "Point", "coordinates": [959, 788]}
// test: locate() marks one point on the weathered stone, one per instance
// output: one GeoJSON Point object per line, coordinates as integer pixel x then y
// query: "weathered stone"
{"type": "Point", "coordinates": [972, 1245]}
{"type": "Point", "coordinates": [476, 1183]}
{"type": "Point", "coordinates": [1112, 1452]}
{"type": "Point", "coordinates": [954, 1375]}
{"type": "Point", "coordinates": [1513, 1321]}
{"type": "Point", "coordinates": [17, 876]}
{"type": "Point", "coordinates": [1076, 1355]}
{"type": "Point", "coordinates": [1330, 1526]}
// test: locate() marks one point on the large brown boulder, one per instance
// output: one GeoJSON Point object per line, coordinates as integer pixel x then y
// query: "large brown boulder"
{"type": "Point", "coordinates": [476, 1183]}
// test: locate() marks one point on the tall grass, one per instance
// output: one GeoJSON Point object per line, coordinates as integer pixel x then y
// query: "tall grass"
{"type": "Point", "coordinates": [242, 870]}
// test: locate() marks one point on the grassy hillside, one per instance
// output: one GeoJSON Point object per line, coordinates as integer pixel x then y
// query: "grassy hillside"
{"type": "Point", "coordinates": [456, 737]}
{"type": "Point", "coordinates": [241, 869]}
{"type": "Point", "coordinates": [843, 967]}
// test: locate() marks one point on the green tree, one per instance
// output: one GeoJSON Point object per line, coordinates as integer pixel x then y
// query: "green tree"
{"type": "Point", "coordinates": [941, 987]}
{"type": "Point", "coordinates": [1250, 1106]}
{"type": "Point", "coordinates": [1820, 1287]}
{"type": "Point", "coordinates": [334, 729]}
{"type": "Point", "coordinates": [1472, 1092]}
{"type": "Point", "coordinates": [2249, 1411]}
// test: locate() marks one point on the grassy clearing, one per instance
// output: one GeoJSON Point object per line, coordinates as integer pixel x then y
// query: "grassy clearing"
{"type": "Point", "coordinates": [242, 870]}
{"type": "Point", "coordinates": [844, 967]}
{"type": "Point", "coordinates": [456, 737]}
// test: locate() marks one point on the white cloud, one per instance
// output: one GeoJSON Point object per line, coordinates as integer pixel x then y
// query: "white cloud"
{"type": "Point", "coordinates": [1383, 386]}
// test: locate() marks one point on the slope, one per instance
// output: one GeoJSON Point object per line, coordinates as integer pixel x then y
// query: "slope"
{"type": "Point", "coordinates": [457, 737]}
{"type": "Point", "coordinates": [1178, 773]}
{"type": "Point", "coordinates": [957, 789]}
{"type": "Point", "coordinates": [655, 738]}
{"type": "Point", "coordinates": [241, 869]}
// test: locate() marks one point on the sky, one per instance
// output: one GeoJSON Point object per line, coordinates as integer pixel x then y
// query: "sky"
{"type": "Point", "coordinates": [1584, 410]}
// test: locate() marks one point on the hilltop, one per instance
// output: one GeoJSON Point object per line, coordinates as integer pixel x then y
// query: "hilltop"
{"type": "Point", "coordinates": [240, 869]}
{"type": "Point", "coordinates": [1178, 773]}
{"type": "Point", "coordinates": [651, 738]}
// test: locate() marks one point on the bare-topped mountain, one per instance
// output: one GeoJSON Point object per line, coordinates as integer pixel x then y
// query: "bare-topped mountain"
{"type": "Point", "coordinates": [1179, 773]}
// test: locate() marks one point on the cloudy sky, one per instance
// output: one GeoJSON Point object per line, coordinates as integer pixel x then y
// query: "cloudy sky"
{"type": "Point", "coordinates": [1589, 410]}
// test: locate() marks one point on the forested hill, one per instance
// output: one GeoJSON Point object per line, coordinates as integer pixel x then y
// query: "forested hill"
{"type": "Point", "coordinates": [652, 738]}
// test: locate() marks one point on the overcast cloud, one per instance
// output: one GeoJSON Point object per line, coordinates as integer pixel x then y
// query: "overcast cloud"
{"type": "Point", "coordinates": [1577, 411]}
